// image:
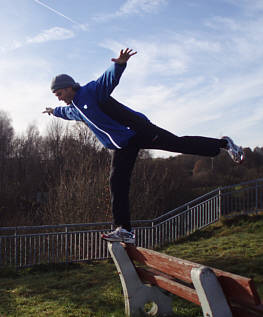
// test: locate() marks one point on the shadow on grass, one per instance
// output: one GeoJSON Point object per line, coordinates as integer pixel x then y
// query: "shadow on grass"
{"type": "Point", "coordinates": [90, 290]}
{"type": "Point", "coordinates": [70, 290]}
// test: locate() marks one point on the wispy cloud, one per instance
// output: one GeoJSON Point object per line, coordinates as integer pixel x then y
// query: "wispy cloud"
{"type": "Point", "coordinates": [239, 37]}
{"type": "Point", "coordinates": [83, 27]}
{"type": "Point", "coordinates": [131, 7]}
{"type": "Point", "coordinates": [247, 6]}
{"type": "Point", "coordinates": [222, 24]}
{"type": "Point", "coordinates": [10, 47]}
{"type": "Point", "coordinates": [172, 54]}
{"type": "Point", "coordinates": [140, 6]}
{"type": "Point", "coordinates": [53, 34]}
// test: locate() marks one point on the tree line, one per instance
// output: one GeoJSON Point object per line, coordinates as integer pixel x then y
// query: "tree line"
{"type": "Point", "coordinates": [62, 177]}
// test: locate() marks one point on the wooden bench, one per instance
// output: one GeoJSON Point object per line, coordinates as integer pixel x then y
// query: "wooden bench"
{"type": "Point", "coordinates": [219, 293]}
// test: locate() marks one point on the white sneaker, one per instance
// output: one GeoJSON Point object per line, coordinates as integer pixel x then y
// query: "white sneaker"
{"type": "Point", "coordinates": [235, 151]}
{"type": "Point", "coordinates": [119, 235]}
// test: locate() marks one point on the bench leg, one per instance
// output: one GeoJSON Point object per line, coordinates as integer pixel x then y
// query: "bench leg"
{"type": "Point", "coordinates": [137, 294]}
{"type": "Point", "coordinates": [210, 293]}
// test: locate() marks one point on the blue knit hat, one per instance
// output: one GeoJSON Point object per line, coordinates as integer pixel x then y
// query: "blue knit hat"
{"type": "Point", "coordinates": [63, 81]}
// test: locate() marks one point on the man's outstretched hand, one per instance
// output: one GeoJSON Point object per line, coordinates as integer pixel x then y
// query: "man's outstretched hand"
{"type": "Point", "coordinates": [124, 56]}
{"type": "Point", "coordinates": [49, 111]}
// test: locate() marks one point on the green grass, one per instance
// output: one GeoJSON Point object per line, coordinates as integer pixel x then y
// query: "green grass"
{"type": "Point", "coordinates": [234, 245]}
{"type": "Point", "coordinates": [91, 289]}
{"type": "Point", "coordinates": [94, 289]}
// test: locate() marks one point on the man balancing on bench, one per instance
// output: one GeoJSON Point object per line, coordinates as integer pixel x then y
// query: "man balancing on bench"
{"type": "Point", "coordinates": [125, 132]}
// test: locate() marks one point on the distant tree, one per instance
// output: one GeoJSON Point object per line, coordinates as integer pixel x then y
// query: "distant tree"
{"type": "Point", "coordinates": [6, 136]}
{"type": "Point", "coordinates": [79, 192]}
{"type": "Point", "coordinates": [202, 165]}
{"type": "Point", "coordinates": [6, 143]}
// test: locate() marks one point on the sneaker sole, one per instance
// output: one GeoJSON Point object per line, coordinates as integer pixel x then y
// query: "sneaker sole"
{"type": "Point", "coordinates": [129, 241]}
{"type": "Point", "coordinates": [241, 155]}
{"type": "Point", "coordinates": [104, 237]}
{"type": "Point", "coordinates": [240, 150]}
{"type": "Point", "coordinates": [125, 240]}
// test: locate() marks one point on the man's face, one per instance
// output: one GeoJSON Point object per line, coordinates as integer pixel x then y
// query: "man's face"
{"type": "Point", "coordinates": [65, 94]}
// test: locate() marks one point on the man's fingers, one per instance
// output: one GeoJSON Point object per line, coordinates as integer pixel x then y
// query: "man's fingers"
{"type": "Point", "coordinates": [129, 52]}
{"type": "Point", "coordinates": [49, 111]}
{"type": "Point", "coordinates": [133, 53]}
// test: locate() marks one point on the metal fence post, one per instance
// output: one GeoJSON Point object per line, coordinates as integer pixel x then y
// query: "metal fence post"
{"type": "Point", "coordinates": [152, 229]}
{"type": "Point", "coordinates": [66, 244]}
{"type": "Point", "coordinates": [219, 203]}
{"type": "Point", "coordinates": [188, 220]}
{"type": "Point", "coordinates": [256, 196]}
{"type": "Point", "coordinates": [16, 255]}
{"type": "Point", "coordinates": [1, 253]}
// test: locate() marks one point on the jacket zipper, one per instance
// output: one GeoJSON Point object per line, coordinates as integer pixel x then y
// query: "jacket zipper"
{"type": "Point", "coordinates": [107, 134]}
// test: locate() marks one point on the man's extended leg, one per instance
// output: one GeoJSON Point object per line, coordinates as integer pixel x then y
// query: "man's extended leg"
{"type": "Point", "coordinates": [158, 138]}
{"type": "Point", "coordinates": [167, 141]}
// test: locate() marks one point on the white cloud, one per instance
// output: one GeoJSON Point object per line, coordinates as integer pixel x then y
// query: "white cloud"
{"type": "Point", "coordinates": [10, 47]}
{"type": "Point", "coordinates": [25, 90]}
{"type": "Point", "coordinates": [53, 34]}
{"type": "Point", "coordinates": [154, 57]}
{"type": "Point", "coordinates": [83, 27]}
{"type": "Point", "coordinates": [132, 7]}
{"type": "Point", "coordinates": [191, 43]}
{"type": "Point", "coordinates": [223, 24]}
{"type": "Point", "coordinates": [248, 6]}
{"type": "Point", "coordinates": [240, 38]}
{"type": "Point", "coordinates": [139, 6]}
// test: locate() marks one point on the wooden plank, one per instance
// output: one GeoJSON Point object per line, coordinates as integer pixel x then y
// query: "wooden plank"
{"type": "Point", "coordinates": [236, 288]}
{"type": "Point", "coordinates": [175, 267]}
{"type": "Point", "coordinates": [163, 281]}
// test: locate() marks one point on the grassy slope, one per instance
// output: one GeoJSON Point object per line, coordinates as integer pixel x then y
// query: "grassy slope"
{"type": "Point", "coordinates": [234, 245]}
{"type": "Point", "coordinates": [91, 289]}
{"type": "Point", "coordinates": [94, 289]}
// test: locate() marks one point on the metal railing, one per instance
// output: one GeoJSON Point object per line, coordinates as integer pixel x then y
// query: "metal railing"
{"type": "Point", "coordinates": [31, 245]}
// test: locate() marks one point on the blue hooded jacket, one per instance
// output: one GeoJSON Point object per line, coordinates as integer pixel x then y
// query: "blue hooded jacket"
{"type": "Point", "coordinates": [112, 122]}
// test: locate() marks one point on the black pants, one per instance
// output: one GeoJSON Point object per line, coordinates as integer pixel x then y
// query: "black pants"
{"type": "Point", "coordinates": [123, 161]}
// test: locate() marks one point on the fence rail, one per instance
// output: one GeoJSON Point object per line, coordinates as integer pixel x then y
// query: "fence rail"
{"type": "Point", "coordinates": [31, 245]}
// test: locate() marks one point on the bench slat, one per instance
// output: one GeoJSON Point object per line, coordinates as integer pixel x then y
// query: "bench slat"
{"type": "Point", "coordinates": [236, 288]}
{"type": "Point", "coordinates": [161, 280]}
{"type": "Point", "coordinates": [175, 267]}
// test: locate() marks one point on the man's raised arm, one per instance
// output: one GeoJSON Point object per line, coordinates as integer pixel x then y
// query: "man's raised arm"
{"type": "Point", "coordinates": [106, 83]}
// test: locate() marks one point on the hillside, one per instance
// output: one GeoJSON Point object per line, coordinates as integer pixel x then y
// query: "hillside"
{"type": "Point", "coordinates": [233, 244]}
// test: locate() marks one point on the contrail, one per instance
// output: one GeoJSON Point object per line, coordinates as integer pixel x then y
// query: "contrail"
{"type": "Point", "coordinates": [57, 12]}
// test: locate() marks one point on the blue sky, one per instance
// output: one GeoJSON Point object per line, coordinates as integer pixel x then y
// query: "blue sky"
{"type": "Point", "coordinates": [198, 70]}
